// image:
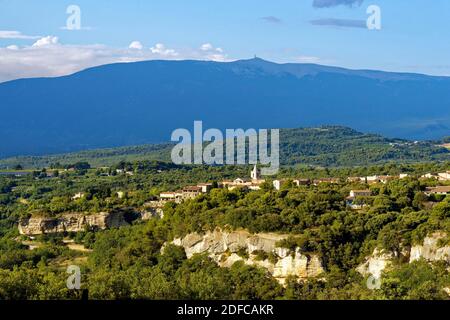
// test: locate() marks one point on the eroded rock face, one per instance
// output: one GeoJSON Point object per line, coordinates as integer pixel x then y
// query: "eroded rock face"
{"type": "Point", "coordinates": [71, 222]}
{"type": "Point", "coordinates": [429, 250]}
{"type": "Point", "coordinates": [376, 263]}
{"type": "Point", "coordinates": [223, 247]}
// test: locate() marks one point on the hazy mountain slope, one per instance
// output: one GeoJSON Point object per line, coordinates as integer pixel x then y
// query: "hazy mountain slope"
{"type": "Point", "coordinates": [136, 103]}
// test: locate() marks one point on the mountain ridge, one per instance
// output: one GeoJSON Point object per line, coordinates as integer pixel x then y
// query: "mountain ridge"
{"type": "Point", "coordinates": [143, 102]}
{"type": "Point", "coordinates": [314, 68]}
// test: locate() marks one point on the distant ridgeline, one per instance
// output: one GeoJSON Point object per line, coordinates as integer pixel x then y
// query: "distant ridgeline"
{"type": "Point", "coordinates": [126, 104]}
{"type": "Point", "coordinates": [323, 146]}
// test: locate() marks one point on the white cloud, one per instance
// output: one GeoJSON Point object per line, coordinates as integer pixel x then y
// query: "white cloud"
{"type": "Point", "coordinates": [49, 58]}
{"type": "Point", "coordinates": [210, 48]}
{"type": "Point", "coordinates": [207, 47]}
{"type": "Point", "coordinates": [136, 45]}
{"type": "Point", "coordinates": [216, 57]}
{"type": "Point", "coordinates": [161, 49]}
{"type": "Point", "coordinates": [212, 53]}
{"type": "Point", "coordinates": [46, 41]}
{"type": "Point", "coordinates": [5, 34]}
{"type": "Point", "coordinates": [308, 59]}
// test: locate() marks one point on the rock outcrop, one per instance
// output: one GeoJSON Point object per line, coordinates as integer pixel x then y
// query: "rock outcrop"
{"type": "Point", "coordinates": [376, 263]}
{"type": "Point", "coordinates": [225, 248]}
{"type": "Point", "coordinates": [429, 250]}
{"type": "Point", "coordinates": [71, 222]}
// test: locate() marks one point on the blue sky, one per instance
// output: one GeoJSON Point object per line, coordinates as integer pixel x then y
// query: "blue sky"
{"type": "Point", "coordinates": [413, 35]}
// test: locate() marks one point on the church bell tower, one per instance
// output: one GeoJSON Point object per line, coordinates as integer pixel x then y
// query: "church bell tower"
{"type": "Point", "coordinates": [255, 174]}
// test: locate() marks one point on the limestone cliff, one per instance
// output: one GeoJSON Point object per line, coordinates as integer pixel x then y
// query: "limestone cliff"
{"type": "Point", "coordinates": [429, 250]}
{"type": "Point", "coordinates": [71, 222]}
{"type": "Point", "coordinates": [376, 263]}
{"type": "Point", "coordinates": [223, 247]}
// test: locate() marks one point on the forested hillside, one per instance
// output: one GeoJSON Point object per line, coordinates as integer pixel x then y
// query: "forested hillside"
{"type": "Point", "coordinates": [324, 146]}
{"type": "Point", "coordinates": [128, 262]}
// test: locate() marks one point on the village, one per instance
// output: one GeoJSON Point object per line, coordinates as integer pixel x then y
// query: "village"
{"type": "Point", "coordinates": [255, 182]}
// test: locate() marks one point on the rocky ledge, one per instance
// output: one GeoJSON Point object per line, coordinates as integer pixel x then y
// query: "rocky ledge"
{"type": "Point", "coordinates": [430, 250]}
{"type": "Point", "coordinates": [226, 248]}
{"type": "Point", "coordinates": [71, 222]}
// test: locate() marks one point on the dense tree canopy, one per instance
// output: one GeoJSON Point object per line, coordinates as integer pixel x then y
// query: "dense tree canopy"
{"type": "Point", "coordinates": [129, 262]}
